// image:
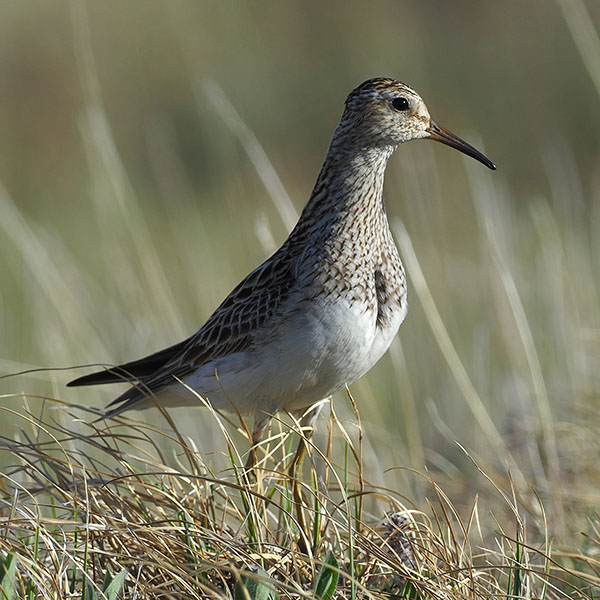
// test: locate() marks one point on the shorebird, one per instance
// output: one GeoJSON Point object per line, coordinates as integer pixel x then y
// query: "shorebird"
{"type": "Point", "coordinates": [324, 308]}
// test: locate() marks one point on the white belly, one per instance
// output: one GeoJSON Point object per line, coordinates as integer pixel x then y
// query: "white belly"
{"type": "Point", "coordinates": [306, 357]}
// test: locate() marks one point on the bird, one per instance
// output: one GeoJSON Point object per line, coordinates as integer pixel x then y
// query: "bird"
{"type": "Point", "coordinates": [324, 308]}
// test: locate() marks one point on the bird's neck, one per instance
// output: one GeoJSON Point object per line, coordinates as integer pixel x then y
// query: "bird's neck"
{"type": "Point", "coordinates": [348, 191]}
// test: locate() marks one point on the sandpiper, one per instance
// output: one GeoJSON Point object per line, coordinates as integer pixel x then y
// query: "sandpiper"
{"type": "Point", "coordinates": [323, 309]}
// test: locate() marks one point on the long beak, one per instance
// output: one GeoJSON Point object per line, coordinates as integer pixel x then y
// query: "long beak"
{"type": "Point", "coordinates": [441, 134]}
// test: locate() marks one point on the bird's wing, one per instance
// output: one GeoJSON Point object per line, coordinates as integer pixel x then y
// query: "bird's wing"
{"type": "Point", "coordinates": [230, 329]}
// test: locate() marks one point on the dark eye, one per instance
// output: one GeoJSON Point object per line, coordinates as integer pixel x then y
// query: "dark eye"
{"type": "Point", "coordinates": [400, 103]}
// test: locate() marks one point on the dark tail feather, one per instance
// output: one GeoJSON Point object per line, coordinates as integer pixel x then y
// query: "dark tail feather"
{"type": "Point", "coordinates": [132, 371]}
{"type": "Point", "coordinates": [112, 375]}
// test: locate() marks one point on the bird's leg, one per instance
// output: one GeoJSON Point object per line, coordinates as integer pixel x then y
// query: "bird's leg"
{"type": "Point", "coordinates": [307, 422]}
{"type": "Point", "coordinates": [260, 424]}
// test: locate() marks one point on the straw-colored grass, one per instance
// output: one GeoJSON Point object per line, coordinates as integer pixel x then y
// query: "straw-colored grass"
{"type": "Point", "coordinates": [78, 503]}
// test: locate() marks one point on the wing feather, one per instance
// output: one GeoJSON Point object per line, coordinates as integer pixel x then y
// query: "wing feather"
{"type": "Point", "coordinates": [230, 329]}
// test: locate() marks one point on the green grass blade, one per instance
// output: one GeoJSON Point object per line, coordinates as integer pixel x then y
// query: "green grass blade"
{"type": "Point", "coordinates": [113, 585]}
{"type": "Point", "coordinates": [327, 578]}
{"type": "Point", "coordinates": [8, 572]}
{"type": "Point", "coordinates": [88, 592]}
{"type": "Point", "coordinates": [257, 587]}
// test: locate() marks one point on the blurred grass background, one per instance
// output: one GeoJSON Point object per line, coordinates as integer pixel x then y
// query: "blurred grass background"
{"type": "Point", "coordinates": [129, 209]}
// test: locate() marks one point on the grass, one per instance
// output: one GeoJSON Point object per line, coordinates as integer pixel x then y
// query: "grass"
{"type": "Point", "coordinates": [80, 505]}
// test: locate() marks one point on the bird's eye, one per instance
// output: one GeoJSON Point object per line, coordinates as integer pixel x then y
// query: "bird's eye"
{"type": "Point", "coordinates": [400, 103]}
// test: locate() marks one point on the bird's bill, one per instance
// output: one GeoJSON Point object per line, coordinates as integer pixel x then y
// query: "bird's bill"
{"type": "Point", "coordinates": [441, 134]}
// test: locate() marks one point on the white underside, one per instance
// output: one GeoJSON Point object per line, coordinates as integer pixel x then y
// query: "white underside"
{"type": "Point", "coordinates": [310, 355]}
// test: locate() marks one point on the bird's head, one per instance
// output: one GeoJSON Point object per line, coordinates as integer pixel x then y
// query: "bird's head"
{"type": "Point", "coordinates": [385, 112]}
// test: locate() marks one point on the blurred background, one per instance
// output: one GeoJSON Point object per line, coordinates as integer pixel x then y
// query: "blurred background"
{"type": "Point", "coordinates": [134, 196]}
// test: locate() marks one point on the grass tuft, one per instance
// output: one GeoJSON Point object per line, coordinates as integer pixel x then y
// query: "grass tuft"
{"type": "Point", "coordinates": [97, 510]}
